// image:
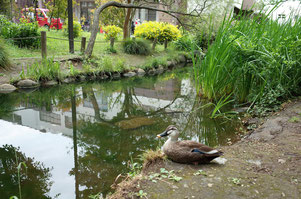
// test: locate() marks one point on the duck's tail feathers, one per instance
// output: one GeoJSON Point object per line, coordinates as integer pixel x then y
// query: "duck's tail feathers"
{"type": "Point", "coordinates": [209, 153]}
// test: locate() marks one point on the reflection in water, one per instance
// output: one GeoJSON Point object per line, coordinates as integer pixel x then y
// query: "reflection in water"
{"type": "Point", "coordinates": [111, 122]}
{"type": "Point", "coordinates": [34, 180]}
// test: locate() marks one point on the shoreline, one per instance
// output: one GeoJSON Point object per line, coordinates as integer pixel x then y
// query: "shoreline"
{"type": "Point", "coordinates": [264, 164]}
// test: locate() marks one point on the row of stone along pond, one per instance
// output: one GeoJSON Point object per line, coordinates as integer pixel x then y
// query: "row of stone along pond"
{"type": "Point", "coordinates": [30, 84]}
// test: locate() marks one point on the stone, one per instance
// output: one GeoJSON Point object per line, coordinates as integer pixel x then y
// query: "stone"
{"type": "Point", "coordinates": [116, 75]}
{"type": "Point", "coordinates": [270, 129]}
{"type": "Point", "coordinates": [281, 161]}
{"type": "Point", "coordinates": [170, 64]}
{"type": "Point", "coordinates": [140, 72]}
{"type": "Point", "coordinates": [129, 74]}
{"type": "Point", "coordinates": [50, 83]}
{"type": "Point", "coordinates": [199, 54]}
{"type": "Point", "coordinates": [92, 77]}
{"type": "Point", "coordinates": [175, 62]}
{"type": "Point", "coordinates": [151, 72]}
{"type": "Point", "coordinates": [188, 60]}
{"type": "Point", "coordinates": [182, 59]}
{"type": "Point", "coordinates": [103, 76]}
{"type": "Point", "coordinates": [160, 69]}
{"type": "Point", "coordinates": [68, 80]}
{"type": "Point", "coordinates": [241, 109]}
{"type": "Point", "coordinates": [27, 83]}
{"type": "Point", "coordinates": [81, 78]}
{"type": "Point", "coordinates": [7, 88]}
{"type": "Point", "coordinates": [135, 123]}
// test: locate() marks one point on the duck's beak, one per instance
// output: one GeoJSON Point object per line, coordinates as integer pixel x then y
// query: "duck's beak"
{"type": "Point", "coordinates": [162, 134]}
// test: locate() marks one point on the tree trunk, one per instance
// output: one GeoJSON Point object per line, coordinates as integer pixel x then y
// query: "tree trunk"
{"type": "Point", "coordinates": [165, 44]}
{"type": "Point", "coordinates": [154, 44]}
{"type": "Point", "coordinates": [112, 40]}
{"type": "Point", "coordinates": [126, 24]}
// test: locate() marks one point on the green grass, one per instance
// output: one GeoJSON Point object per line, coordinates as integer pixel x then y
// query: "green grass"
{"type": "Point", "coordinates": [59, 47]}
{"type": "Point", "coordinates": [162, 58]}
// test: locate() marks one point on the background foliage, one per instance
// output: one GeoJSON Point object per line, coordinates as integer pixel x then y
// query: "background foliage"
{"type": "Point", "coordinates": [23, 29]}
{"type": "Point", "coordinates": [77, 28]}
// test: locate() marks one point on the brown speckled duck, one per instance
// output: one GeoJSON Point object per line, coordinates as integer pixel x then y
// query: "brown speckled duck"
{"type": "Point", "coordinates": [186, 151]}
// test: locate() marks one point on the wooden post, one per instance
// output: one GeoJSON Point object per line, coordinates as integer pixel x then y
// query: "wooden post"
{"type": "Point", "coordinates": [43, 44]}
{"type": "Point", "coordinates": [83, 45]}
{"type": "Point", "coordinates": [165, 44]}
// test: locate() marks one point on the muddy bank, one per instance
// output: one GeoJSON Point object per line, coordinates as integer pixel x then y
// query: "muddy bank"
{"type": "Point", "coordinates": [264, 164]}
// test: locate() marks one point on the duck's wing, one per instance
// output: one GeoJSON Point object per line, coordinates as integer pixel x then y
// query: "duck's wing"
{"type": "Point", "coordinates": [192, 145]}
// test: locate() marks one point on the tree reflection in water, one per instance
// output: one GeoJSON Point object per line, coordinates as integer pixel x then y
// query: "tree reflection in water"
{"type": "Point", "coordinates": [35, 182]}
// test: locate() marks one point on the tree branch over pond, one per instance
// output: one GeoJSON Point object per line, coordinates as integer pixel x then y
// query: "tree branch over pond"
{"type": "Point", "coordinates": [95, 25]}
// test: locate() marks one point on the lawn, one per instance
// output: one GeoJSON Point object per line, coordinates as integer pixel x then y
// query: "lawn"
{"type": "Point", "coordinates": [58, 48]}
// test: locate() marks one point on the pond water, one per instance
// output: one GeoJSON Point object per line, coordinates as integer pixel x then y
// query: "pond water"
{"type": "Point", "coordinates": [75, 139]}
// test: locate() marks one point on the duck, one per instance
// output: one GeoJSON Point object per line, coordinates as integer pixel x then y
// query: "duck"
{"type": "Point", "coordinates": [186, 151]}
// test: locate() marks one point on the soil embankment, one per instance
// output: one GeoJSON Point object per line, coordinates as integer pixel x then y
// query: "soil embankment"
{"type": "Point", "coordinates": [265, 164]}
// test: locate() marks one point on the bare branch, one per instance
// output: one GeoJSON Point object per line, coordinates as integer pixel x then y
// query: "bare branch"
{"type": "Point", "coordinates": [95, 25]}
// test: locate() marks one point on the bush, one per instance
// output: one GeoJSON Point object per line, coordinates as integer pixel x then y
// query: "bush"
{"type": "Point", "coordinates": [136, 47]}
{"type": "Point", "coordinates": [4, 61]}
{"type": "Point", "coordinates": [111, 32]}
{"type": "Point", "coordinates": [184, 43]}
{"type": "Point", "coordinates": [157, 30]}
{"type": "Point", "coordinates": [23, 29]}
{"type": "Point", "coordinates": [77, 29]}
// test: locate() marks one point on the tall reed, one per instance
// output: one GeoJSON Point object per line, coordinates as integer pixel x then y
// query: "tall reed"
{"type": "Point", "coordinates": [253, 57]}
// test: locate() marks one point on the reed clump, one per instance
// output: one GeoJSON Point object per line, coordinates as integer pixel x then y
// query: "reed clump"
{"type": "Point", "coordinates": [256, 59]}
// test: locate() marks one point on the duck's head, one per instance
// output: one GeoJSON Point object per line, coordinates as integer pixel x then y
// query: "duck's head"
{"type": "Point", "coordinates": [171, 130]}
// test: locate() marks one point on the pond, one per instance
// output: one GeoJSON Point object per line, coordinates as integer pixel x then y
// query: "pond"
{"type": "Point", "coordinates": [75, 139]}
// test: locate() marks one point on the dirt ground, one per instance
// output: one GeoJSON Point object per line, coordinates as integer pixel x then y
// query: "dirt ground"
{"type": "Point", "coordinates": [266, 163]}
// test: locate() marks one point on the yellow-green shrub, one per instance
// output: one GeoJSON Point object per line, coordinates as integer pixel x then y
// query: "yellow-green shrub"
{"type": "Point", "coordinates": [162, 31]}
{"type": "Point", "coordinates": [111, 32]}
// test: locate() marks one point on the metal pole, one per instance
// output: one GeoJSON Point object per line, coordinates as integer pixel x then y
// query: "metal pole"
{"type": "Point", "coordinates": [70, 26]}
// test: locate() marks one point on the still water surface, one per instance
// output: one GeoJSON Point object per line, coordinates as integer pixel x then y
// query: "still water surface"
{"type": "Point", "coordinates": [75, 139]}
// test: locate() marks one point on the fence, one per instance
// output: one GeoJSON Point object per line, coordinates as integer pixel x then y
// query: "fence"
{"type": "Point", "coordinates": [44, 42]}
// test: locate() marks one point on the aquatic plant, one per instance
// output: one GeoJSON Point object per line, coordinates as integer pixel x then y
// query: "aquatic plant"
{"type": "Point", "coordinates": [108, 64]}
{"type": "Point", "coordinates": [254, 59]}
{"type": "Point", "coordinates": [4, 58]}
{"type": "Point", "coordinates": [46, 70]}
